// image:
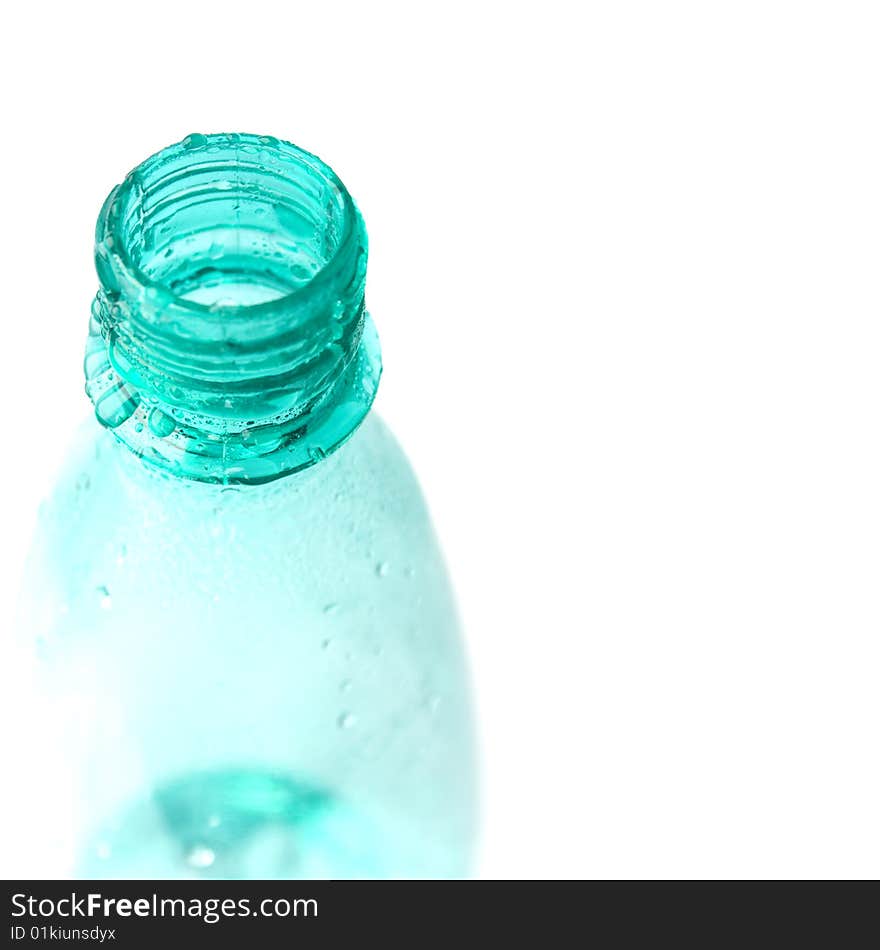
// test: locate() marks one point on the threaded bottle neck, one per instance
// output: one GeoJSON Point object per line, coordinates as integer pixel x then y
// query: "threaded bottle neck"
{"type": "Point", "coordinates": [229, 340]}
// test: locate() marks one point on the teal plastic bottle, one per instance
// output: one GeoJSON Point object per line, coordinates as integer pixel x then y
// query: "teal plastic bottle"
{"type": "Point", "coordinates": [245, 629]}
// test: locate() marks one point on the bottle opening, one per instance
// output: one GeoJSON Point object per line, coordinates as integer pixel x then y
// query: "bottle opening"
{"type": "Point", "coordinates": [232, 271]}
{"type": "Point", "coordinates": [227, 222]}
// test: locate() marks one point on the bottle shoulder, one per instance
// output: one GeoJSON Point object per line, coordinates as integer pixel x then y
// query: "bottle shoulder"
{"type": "Point", "coordinates": [353, 529]}
{"type": "Point", "coordinates": [101, 478]}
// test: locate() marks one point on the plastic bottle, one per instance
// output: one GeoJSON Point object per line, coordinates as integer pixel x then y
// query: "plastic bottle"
{"type": "Point", "coordinates": [245, 629]}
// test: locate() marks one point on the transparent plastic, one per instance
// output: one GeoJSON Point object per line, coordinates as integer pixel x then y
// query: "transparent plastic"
{"type": "Point", "coordinates": [246, 634]}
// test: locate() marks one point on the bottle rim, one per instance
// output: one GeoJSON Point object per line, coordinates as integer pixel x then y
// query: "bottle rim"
{"type": "Point", "coordinates": [113, 245]}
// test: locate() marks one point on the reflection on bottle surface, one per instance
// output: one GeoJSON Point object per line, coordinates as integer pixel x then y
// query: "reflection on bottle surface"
{"type": "Point", "coordinates": [245, 629]}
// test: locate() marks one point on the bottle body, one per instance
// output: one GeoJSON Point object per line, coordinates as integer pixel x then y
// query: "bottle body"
{"type": "Point", "coordinates": [252, 680]}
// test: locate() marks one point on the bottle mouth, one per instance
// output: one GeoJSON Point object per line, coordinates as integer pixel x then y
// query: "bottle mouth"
{"type": "Point", "coordinates": [228, 226]}
{"type": "Point", "coordinates": [232, 271]}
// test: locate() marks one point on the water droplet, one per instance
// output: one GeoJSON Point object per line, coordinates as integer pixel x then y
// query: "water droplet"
{"type": "Point", "coordinates": [382, 569]}
{"type": "Point", "coordinates": [200, 857]}
{"type": "Point", "coordinates": [409, 572]}
{"type": "Point", "coordinates": [331, 609]}
{"type": "Point", "coordinates": [433, 704]}
{"type": "Point", "coordinates": [345, 686]}
{"type": "Point", "coordinates": [346, 720]}
{"type": "Point", "coordinates": [105, 601]}
{"type": "Point", "coordinates": [103, 850]}
{"type": "Point", "coordinates": [139, 427]}
{"type": "Point", "coordinates": [160, 423]}
{"type": "Point", "coordinates": [195, 140]}
{"type": "Point", "coordinates": [116, 405]}
{"type": "Point", "coordinates": [214, 821]}
{"type": "Point", "coordinates": [122, 555]}
{"type": "Point", "coordinates": [325, 644]}
{"type": "Point", "coordinates": [83, 483]}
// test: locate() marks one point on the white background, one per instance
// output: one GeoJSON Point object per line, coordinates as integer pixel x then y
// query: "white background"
{"type": "Point", "coordinates": [624, 266]}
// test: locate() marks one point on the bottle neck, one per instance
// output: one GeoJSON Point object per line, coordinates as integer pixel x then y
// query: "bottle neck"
{"type": "Point", "coordinates": [229, 340]}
